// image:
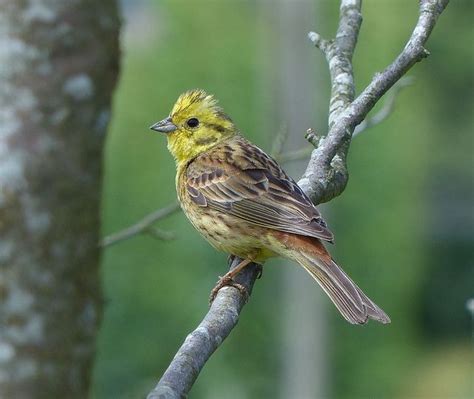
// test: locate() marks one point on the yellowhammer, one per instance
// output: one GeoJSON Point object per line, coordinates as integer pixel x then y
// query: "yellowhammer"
{"type": "Point", "coordinates": [244, 204]}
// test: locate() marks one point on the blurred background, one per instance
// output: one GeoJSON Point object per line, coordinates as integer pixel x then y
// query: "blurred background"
{"type": "Point", "coordinates": [403, 226]}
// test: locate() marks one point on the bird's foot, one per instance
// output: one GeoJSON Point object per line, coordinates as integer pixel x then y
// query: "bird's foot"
{"type": "Point", "coordinates": [224, 282]}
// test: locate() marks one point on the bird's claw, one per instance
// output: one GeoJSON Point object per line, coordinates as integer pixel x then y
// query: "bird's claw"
{"type": "Point", "coordinates": [224, 282]}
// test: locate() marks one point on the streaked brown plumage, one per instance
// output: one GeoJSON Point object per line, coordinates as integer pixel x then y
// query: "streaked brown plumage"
{"type": "Point", "coordinates": [244, 204]}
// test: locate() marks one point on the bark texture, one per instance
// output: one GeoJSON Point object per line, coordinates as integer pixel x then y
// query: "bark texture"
{"type": "Point", "coordinates": [58, 68]}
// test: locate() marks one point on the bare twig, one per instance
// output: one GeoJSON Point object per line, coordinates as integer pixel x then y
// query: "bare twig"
{"type": "Point", "coordinates": [325, 176]}
{"type": "Point", "coordinates": [144, 226]}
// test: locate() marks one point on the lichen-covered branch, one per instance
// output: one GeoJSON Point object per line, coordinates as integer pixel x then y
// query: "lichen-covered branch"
{"type": "Point", "coordinates": [325, 177]}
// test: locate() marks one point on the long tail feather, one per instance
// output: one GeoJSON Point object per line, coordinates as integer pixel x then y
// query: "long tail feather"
{"type": "Point", "coordinates": [350, 300]}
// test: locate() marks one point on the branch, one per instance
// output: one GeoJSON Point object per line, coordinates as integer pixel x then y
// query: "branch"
{"type": "Point", "coordinates": [325, 177]}
{"type": "Point", "coordinates": [206, 338]}
{"type": "Point", "coordinates": [143, 226]}
{"type": "Point", "coordinates": [387, 108]}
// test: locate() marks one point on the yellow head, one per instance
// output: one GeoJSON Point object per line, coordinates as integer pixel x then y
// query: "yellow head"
{"type": "Point", "coordinates": [195, 125]}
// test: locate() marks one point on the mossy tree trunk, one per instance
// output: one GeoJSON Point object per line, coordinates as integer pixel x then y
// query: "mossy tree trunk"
{"type": "Point", "coordinates": [58, 68]}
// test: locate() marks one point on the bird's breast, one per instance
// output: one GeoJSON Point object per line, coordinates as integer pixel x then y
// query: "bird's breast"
{"type": "Point", "coordinates": [223, 231]}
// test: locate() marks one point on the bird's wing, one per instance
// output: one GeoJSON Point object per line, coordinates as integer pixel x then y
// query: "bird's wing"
{"type": "Point", "coordinates": [241, 180]}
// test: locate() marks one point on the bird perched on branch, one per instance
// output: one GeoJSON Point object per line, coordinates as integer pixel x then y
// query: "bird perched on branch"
{"type": "Point", "coordinates": [244, 204]}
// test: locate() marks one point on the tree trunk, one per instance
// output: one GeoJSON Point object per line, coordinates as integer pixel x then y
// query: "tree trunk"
{"type": "Point", "coordinates": [58, 68]}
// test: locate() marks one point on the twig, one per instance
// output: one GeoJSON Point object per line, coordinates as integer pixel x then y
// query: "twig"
{"type": "Point", "coordinates": [325, 176]}
{"type": "Point", "coordinates": [143, 226]}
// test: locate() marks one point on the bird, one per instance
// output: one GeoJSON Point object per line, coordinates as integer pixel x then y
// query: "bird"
{"type": "Point", "coordinates": [243, 203]}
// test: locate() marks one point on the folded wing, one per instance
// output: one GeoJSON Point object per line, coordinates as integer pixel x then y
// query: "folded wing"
{"type": "Point", "coordinates": [249, 185]}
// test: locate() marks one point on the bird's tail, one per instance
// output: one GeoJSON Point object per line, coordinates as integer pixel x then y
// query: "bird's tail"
{"type": "Point", "coordinates": [353, 304]}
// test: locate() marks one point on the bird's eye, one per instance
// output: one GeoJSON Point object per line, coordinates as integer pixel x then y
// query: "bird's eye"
{"type": "Point", "coordinates": [193, 122]}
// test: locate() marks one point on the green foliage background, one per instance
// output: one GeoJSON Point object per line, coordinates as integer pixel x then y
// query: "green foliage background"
{"type": "Point", "coordinates": [403, 225]}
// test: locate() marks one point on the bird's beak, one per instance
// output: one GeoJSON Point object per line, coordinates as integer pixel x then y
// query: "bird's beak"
{"type": "Point", "coordinates": [164, 126]}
